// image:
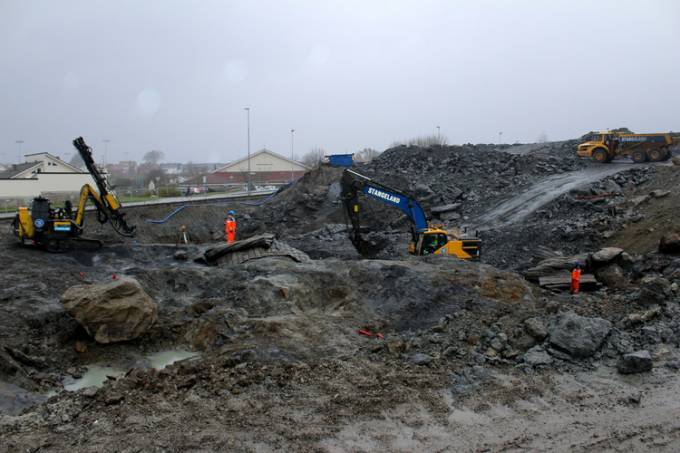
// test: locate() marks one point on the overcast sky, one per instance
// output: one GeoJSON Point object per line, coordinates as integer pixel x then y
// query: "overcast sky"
{"type": "Point", "coordinates": [176, 75]}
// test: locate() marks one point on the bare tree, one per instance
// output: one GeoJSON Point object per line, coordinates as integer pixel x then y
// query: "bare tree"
{"type": "Point", "coordinates": [190, 169]}
{"type": "Point", "coordinates": [313, 157]}
{"type": "Point", "coordinates": [158, 176]}
{"type": "Point", "coordinates": [153, 157]}
{"type": "Point", "coordinates": [77, 161]}
{"type": "Point", "coordinates": [366, 155]}
{"type": "Point", "coordinates": [423, 141]}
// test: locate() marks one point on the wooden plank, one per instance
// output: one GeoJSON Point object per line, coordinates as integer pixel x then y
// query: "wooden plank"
{"type": "Point", "coordinates": [560, 281]}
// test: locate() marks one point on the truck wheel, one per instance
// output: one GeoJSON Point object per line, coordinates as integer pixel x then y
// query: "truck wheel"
{"type": "Point", "coordinates": [639, 156]}
{"type": "Point", "coordinates": [600, 155]}
{"type": "Point", "coordinates": [656, 155]}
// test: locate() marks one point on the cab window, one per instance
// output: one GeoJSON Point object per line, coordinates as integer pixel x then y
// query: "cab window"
{"type": "Point", "coordinates": [433, 242]}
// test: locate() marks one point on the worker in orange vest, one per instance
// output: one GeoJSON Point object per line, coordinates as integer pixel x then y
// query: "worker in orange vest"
{"type": "Point", "coordinates": [230, 227]}
{"type": "Point", "coordinates": [576, 278]}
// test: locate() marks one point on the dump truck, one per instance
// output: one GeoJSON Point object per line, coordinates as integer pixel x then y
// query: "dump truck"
{"type": "Point", "coordinates": [604, 147]}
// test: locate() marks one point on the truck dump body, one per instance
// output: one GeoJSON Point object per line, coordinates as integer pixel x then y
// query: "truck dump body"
{"type": "Point", "coordinates": [607, 146]}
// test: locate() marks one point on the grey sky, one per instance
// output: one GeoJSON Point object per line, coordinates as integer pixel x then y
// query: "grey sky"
{"type": "Point", "coordinates": [175, 75]}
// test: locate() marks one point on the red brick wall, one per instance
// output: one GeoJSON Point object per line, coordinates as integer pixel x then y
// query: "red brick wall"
{"type": "Point", "coordinates": [260, 178]}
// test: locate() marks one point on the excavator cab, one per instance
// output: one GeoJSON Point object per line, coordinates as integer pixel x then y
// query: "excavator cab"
{"type": "Point", "coordinates": [431, 242]}
{"type": "Point", "coordinates": [438, 242]}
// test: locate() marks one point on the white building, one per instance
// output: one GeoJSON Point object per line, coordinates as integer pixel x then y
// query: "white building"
{"type": "Point", "coordinates": [41, 174]}
{"type": "Point", "coordinates": [266, 168]}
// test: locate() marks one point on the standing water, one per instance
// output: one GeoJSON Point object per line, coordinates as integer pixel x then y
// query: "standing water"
{"type": "Point", "coordinates": [160, 360]}
{"type": "Point", "coordinates": [95, 376]}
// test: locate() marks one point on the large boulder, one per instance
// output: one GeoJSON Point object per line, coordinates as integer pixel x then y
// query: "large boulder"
{"type": "Point", "coordinates": [445, 208]}
{"type": "Point", "coordinates": [577, 335]}
{"type": "Point", "coordinates": [654, 290]}
{"type": "Point", "coordinates": [606, 255]}
{"type": "Point", "coordinates": [537, 356]}
{"type": "Point", "coordinates": [536, 328]}
{"type": "Point", "coordinates": [635, 362]}
{"type": "Point", "coordinates": [553, 265]}
{"type": "Point", "coordinates": [110, 312]}
{"type": "Point", "coordinates": [670, 243]}
{"type": "Point", "coordinates": [611, 275]}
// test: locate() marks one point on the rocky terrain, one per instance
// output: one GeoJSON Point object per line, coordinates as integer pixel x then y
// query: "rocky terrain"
{"type": "Point", "coordinates": [331, 352]}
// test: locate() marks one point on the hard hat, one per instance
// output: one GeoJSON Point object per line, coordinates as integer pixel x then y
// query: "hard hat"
{"type": "Point", "coordinates": [231, 212]}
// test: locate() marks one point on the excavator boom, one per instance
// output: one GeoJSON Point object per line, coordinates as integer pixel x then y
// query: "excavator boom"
{"type": "Point", "coordinates": [108, 206]}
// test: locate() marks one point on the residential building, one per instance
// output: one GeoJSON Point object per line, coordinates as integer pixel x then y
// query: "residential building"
{"type": "Point", "coordinates": [42, 173]}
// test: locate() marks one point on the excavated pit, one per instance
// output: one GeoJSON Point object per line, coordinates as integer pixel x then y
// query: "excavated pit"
{"type": "Point", "coordinates": [396, 353]}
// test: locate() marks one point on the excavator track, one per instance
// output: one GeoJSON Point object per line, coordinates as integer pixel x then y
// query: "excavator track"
{"type": "Point", "coordinates": [71, 244]}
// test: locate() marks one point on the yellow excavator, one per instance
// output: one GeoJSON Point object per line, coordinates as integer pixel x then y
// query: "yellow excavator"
{"type": "Point", "coordinates": [426, 239]}
{"type": "Point", "coordinates": [51, 229]}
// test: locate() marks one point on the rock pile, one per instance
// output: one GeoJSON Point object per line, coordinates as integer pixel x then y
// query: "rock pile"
{"type": "Point", "coordinates": [451, 182]}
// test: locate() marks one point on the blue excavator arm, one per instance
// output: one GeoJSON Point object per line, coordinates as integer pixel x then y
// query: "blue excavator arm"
{"type": "Point", "coordinates": [407, 205]}
{"type": "Point", "coordinates": [353, 183]}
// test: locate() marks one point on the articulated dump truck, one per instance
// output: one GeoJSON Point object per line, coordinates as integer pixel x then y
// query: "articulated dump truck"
{"type": "Point", "coordinates": [606, 146]}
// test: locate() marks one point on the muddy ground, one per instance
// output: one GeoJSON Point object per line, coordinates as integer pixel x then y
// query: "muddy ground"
{"type": "Point", "coordinates": [467, 358]}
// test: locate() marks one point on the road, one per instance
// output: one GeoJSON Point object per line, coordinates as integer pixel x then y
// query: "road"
{"type": "Point", "coordinates": [233, 196]}
{"type": "Point", "coordinates": [543, 192]}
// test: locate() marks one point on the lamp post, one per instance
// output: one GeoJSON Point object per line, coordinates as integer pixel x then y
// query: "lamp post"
{"type": "Point", "coordinates": [19, 142]}
{"type": "Point", "coordinates": [106, 150]}
{"type": "Point", "coordinates": [247, 109]}
{"type": "Point", "coordinates": [292, 153]}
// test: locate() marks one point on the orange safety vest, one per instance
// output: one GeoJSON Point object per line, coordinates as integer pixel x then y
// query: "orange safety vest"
{"type": "Point", "coordinates": [575, 280]}
{"type": "Point", "coordinates": [230, 229]}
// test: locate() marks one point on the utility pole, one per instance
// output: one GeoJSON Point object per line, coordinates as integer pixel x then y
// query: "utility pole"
{"type": "Point", "coordinates": [106, 150]}
{"type": "Point", "coordinates": [247, 109]}
{"type": "Point", "coordinates": [292, 153]}
{"type": "Point", "coordinates": [19, 142]}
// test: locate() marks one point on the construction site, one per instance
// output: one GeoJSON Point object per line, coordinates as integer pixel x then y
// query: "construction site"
{"type": "Point", "coordinates": [289, 338]}
{"type": "Point", "coordinates": [339, 226]}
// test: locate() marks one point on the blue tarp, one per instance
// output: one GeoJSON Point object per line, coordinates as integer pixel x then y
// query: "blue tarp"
{"type": "Point", "coordinates": [341, 160]}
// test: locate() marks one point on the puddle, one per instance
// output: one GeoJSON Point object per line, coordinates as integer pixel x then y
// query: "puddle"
{"type": "Point", "coordinates": [160, 360]}
{"type": "Point", "coordinates": [95, 376]}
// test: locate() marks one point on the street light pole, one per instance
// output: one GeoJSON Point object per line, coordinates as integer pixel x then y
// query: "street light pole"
{"type": "Point", "coordinates": [247, 109]}
{"type": "Point", "coordinates": [19, 142]}
{"type": "Point", "coordinates": [292, 153]}
{"type": "Point", "coordinates": [106, 150]}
